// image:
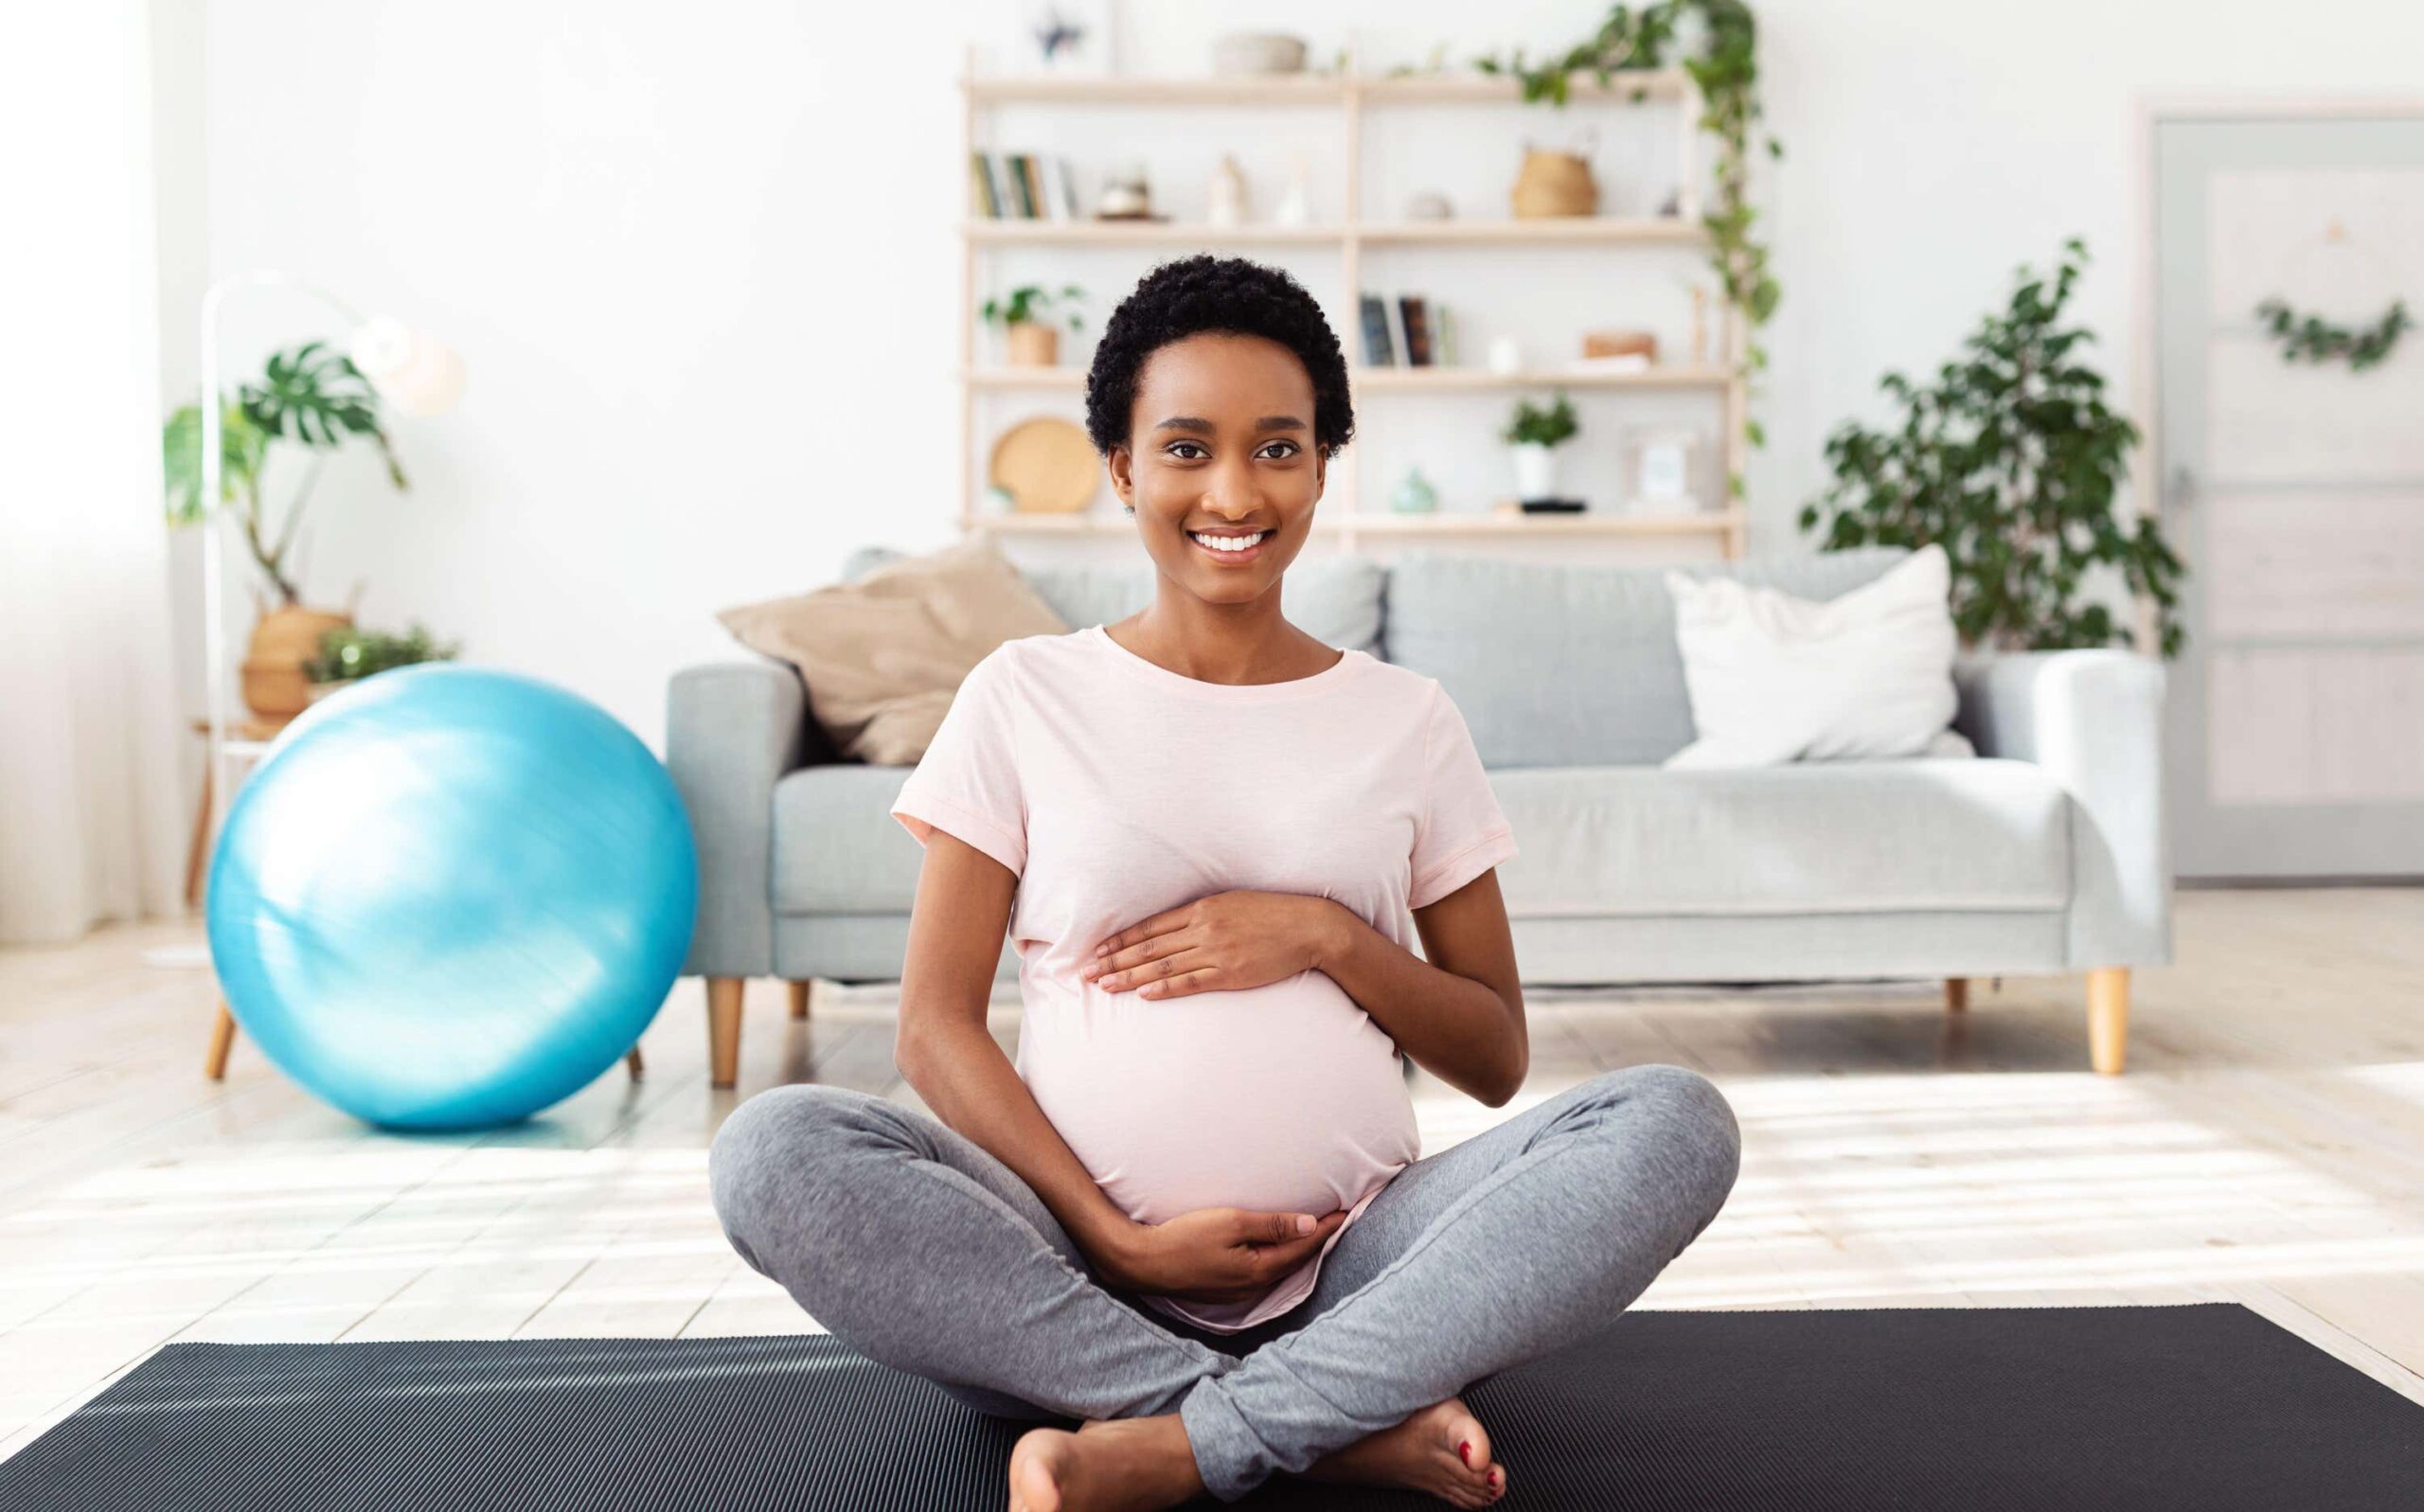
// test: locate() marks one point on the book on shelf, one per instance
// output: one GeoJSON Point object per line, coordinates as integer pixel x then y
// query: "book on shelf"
{"type": "Point", "coordinates": [982, 202]}
{"type": "Point", "coordinates": [1406, 329]}
{"type": "Point", "coordinates": [1020, 187]}
{"type": "Point", "coordinates": [1023, 182]}
{"type": "Point", "coordinates": [1060, 189]}
{"type": "Point", "coordinates": [1415, 322]}
{"type": "Point", "coordinates": [1374, 312]}
{"type": "Point", "coordinates": [997, 174]}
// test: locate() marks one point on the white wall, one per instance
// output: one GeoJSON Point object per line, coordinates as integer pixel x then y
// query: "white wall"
{"type": "Point", "coordinates": [700, 258]}
{"type": "Point", "coordinates": [697, 258]}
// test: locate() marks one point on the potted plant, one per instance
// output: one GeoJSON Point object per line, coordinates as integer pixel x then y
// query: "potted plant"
{"type": "Point", "coordinates": [2012, 461]}
{"type": "Point", "coordinates": [313, 400]}
{"type": "Point", "coordinates": [1023, 314]}
{"type": "Point", "coordinates": [1531, 435]}
{"type": "Point", "coordinates": [348, 655]}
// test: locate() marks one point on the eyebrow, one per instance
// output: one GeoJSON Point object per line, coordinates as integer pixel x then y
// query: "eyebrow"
{"type": "Point", "coordinates": [1204, 427]}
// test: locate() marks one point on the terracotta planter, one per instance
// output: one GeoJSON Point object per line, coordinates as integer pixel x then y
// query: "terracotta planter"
{"type": "Point", "coordinates": [283, 640]}
{"type": "Point", "coordinates": [1033, 343]}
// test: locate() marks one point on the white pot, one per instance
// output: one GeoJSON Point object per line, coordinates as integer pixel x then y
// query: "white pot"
{"type": "Point", "coordinates": [1535, 470]}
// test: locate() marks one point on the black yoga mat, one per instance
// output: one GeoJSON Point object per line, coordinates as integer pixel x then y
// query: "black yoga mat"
{"type": "Point", "coordinates": [2206, 1407]}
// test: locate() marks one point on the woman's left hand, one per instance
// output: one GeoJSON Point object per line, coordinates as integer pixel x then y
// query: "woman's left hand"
{"type": "Point", "coordinates": [1225, 942]}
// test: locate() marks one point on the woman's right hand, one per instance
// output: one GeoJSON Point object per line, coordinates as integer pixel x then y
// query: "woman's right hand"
{"type": "Point", "coordinates": [1214, 1254]}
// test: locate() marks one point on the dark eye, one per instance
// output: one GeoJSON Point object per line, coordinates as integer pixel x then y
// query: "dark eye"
{"type": "Point", "coordinates": [1292, 448]}
{"type": "Point", "coordinates": [1173, 447]}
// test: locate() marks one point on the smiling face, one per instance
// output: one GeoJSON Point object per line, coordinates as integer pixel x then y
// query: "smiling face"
{"type": "Point", "coordinates": [1220, 449]}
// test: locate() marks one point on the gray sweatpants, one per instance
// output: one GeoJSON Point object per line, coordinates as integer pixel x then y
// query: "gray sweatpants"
{"type": "Point", "coordinates": [909, 1243]}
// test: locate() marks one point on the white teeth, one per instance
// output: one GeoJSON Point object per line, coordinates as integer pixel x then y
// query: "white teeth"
{"type": "Point", "coordinates": [1229, 543]}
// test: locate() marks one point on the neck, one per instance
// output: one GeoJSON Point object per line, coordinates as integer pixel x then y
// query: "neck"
{"type": "Point", "coordinates": [1249, 642]}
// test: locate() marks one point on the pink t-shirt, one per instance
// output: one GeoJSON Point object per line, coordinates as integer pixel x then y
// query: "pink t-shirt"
{"type": "Point", "coordinates": [1115, 788]}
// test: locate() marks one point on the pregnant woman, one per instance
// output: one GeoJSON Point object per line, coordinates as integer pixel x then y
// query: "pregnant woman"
{"type": "Point", "coordinates": [1195, 1216]}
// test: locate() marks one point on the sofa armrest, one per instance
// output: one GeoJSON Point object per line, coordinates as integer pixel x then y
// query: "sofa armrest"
{"type": "Point", "coordinates": [2094, 719]}
{"type": "Point", "coordinates": [732, 730]}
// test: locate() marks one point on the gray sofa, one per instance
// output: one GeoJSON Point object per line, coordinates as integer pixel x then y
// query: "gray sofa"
{"type": "Point", "coordinates": [2046, 854]}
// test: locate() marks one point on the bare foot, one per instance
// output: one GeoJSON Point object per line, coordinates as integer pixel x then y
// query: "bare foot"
{"type": "Point", "coordinates": [1442, 1449]}
{"type": "Point", "coordinates": [1126, 1464]}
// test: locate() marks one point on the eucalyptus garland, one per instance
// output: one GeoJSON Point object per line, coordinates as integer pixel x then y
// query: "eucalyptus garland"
{"type": "Point", "coordinates": [1726, 70]}
{"type": "Point", "coordinates": [2313, 339]}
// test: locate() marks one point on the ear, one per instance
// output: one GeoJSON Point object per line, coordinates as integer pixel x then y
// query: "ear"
{"type": "Point", "coordinates": [1122, 482]}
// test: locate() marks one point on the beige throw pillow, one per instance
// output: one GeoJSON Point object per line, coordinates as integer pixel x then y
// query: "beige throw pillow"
{"type": "Point", "coordinates": [883, 656]}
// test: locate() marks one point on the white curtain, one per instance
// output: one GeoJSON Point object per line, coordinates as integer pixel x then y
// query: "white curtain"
{"type": "Point", "coordinates": [92, 825]}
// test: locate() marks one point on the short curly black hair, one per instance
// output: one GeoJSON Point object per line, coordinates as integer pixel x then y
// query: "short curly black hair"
{"type": "Point", "coordinates": [1203, 292]}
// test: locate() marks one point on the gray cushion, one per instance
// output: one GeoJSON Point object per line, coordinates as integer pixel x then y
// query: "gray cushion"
{"type": "Point", "coordinates": [1334, 597]}
{"type": "Point", "coordinates": [837, 847]}
{"type": "Point", "coordinates": [1848, 837]}
{"type": "Point", "coordinates": [1557, 665]}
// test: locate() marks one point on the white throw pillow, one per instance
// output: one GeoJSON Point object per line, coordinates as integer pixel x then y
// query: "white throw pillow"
{"type": "Point", "coordinates": [1775, 679]}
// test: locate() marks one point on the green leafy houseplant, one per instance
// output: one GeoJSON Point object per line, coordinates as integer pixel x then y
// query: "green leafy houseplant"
{"type": "Point", "coordinates": [2313, 339]}
{"type": "Point", "coordinates": [1724, 67]}
{"type": "Point", "coordinates": [2012, 460]}
{"type": "Point", "coordinates": [347, 653]}
{"type": "Point", "coordinates": [1533, 425]}
{"type": "Point", "coordinates": [1031, 302]}
{"type": "Point", "coordinates": [309, 396]}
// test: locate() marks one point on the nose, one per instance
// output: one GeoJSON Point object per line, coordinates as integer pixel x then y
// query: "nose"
{"type": "Point", "coordinates": [1230, 490]}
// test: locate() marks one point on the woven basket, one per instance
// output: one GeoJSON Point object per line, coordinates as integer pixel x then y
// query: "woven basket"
{"type": "Point", "coordinates": [1552, 183]}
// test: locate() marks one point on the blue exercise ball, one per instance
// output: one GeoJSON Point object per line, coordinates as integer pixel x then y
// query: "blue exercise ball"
{"type": "Point", "coordinates": [451, 897]}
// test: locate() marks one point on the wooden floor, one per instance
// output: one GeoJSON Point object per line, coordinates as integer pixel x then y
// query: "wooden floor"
{"type": "Point", "coordinates": [2267, 1145]}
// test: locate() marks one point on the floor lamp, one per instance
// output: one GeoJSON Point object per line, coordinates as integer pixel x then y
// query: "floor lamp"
{"type": "Point", "coordinates": [411, 370]}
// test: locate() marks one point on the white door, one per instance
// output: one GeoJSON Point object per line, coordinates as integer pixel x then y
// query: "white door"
{"type": "Point", "coordinates": [2295, 493]}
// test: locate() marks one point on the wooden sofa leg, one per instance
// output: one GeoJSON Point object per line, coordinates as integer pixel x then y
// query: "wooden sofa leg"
{"type": "Point", "coordinates": [633, 1064]}
{"type": "Point", "coordinates": [1957, 993]}
{"type": "Point", "coordinates": [724, 1030]}
{"type": "Point", "coordinates": [801, 993]}
{"type": "Point", "coordinates": [222, 1039]}
{"type": "Point", "coordinates": [2108, 1017]}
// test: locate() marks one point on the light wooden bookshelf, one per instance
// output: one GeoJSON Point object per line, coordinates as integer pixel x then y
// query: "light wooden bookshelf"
{"type": "Point", "coordinates": [1345, 516]}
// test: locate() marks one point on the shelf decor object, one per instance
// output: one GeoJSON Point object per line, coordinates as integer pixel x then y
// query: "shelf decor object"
{"type": "Point", "coordinates": [1047, 465]}
{"type": "Point", "coordinates": [1553, 184]}
{"type": "Point", "coordinates": [1348, 515]}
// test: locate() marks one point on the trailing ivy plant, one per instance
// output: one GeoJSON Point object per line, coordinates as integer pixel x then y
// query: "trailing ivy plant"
{"type": "Point", "coordinates": [2312, 339]}
{"type": "Point", "coordinates": [2011, 460]}
{"type": "Point", "coordinates": [1725, 67]}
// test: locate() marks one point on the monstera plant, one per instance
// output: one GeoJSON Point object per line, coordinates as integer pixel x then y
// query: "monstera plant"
{"type": "Point", "coordinates": [309, 400]}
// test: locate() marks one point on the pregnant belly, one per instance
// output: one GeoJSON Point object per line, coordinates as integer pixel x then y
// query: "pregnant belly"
{"type": "Point", "coordinates": [1281, 1099]}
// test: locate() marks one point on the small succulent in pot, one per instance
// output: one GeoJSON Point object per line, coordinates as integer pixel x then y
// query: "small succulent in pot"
{"type": "Point", "coordinates": [1024, 316]}
{"type": "Point", "coordinates": [1531, 434]}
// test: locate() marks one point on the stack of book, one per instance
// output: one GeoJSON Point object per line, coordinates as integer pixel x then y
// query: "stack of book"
{"type": "Point", "coordinates": [1020, 187]}
{"type": "Point", "coordinates": [1407, 331]}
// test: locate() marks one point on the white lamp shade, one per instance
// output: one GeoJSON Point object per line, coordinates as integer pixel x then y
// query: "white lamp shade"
{"type": "Point", "coordinates": [411, 369]}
